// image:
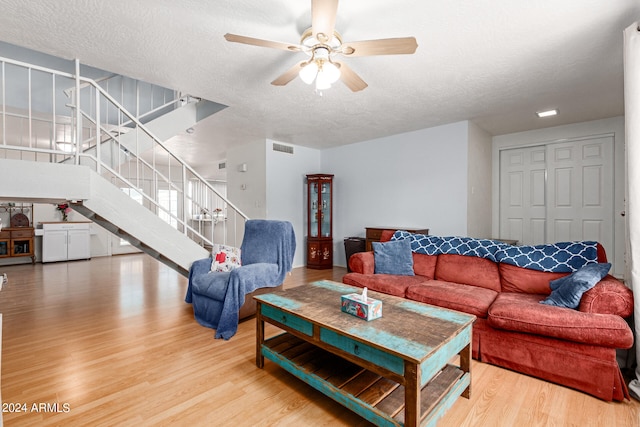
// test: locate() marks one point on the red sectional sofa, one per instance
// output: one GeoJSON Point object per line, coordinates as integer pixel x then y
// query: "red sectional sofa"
{"type": "Point", "coordinates": [574, 348]}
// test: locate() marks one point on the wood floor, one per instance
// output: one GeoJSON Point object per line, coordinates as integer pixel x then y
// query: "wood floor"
{"type": "Point", "coordinates": [111, 342]}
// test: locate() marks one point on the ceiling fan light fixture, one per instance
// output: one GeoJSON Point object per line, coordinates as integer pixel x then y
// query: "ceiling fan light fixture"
{"type": "Point", "coordinates": [322, 82]}
{"type": "Point", "coordinates": [308, 72]}
{"type": "Point", "coordinates": [321, 43]}
{"type": "Point", "coordinates": [330, 71]}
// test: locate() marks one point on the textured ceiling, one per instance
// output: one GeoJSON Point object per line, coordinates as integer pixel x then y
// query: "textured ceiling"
{"type": "Point", "coordinates": [495, 62]}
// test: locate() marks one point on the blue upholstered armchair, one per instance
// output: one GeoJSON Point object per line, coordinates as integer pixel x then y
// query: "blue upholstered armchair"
{"type": "Point", "coordinates": [267, 256]}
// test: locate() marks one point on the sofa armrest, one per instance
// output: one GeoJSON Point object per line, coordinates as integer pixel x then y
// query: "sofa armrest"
{"type": "Point", "coordinates": [201, 266]}
{"type": "Point", "coordinates": [362, 262]}
{"type": "Point", "coordinates": [609, 296]}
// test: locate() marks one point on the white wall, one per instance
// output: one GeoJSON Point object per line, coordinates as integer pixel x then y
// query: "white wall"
{"type": "Point", "coordinates": [615, 126]}
{"type": "Point", "coordinates": [274, 185]}
{"type": "Point", "coordinates": [415, 179]}
{"type": "Point", "coordinates": [479, 183]}
{"type": "Point", "coordinates": [248, 190]}
{"type": "Point", "coordinates": [286, 190]}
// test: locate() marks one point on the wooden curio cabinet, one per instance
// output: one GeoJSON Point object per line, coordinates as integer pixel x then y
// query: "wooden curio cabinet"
{"type": "Point", "coordinates": [320, 221]}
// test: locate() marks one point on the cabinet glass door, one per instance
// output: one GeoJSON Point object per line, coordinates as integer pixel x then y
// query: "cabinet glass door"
{"type": "Point", "coordinates": [314, 210]}
{"type": "Point", "coordinates": [4, 248]}
{"type": "Point", "coordinates": [21, 247]}
{"type": "Point", "coordinates": [325, 215]}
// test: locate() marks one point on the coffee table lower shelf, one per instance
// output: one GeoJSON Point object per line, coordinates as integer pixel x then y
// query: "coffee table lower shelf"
{"type": "Point", "coordinates": [370, 395]}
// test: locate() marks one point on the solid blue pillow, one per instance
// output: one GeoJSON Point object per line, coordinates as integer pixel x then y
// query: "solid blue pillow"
{"type": "Point", "coordinates": [393, 257]}
{"type": "Point", "coordinates": [567, 291]}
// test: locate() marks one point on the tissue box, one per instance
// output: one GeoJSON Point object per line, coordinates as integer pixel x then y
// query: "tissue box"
{"type": "Point", "coordinates": [369, 310]}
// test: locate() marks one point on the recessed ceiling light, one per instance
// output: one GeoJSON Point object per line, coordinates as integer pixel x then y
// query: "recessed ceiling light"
{"type": "Point", "coordinates": [547, 113]}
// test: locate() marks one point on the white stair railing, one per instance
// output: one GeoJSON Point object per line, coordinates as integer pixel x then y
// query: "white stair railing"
{"type": "Point", "coordinates": [39, 122]}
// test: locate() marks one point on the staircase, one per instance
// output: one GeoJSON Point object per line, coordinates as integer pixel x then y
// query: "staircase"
{"type": "Point", "coordinates": [73, 141]}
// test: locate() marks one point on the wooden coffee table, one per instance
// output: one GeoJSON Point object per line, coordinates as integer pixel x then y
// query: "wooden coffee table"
{"type": "Point", "coordinates": [400, 369]}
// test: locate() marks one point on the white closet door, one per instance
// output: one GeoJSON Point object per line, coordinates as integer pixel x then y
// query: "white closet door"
{"type": "Point", "coordinates": [580, 191]}
{"type": "Point", "coordinates": [558, 192]}
{"type": "Point", "coordinates": [522, 195]}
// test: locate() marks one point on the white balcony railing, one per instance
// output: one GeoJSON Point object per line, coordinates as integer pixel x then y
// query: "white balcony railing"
{"type": "Point", "coordinates": [55, 116]}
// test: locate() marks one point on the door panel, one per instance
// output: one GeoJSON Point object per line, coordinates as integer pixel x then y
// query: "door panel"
{"type": "Point", "coordinates": [523, 194]}
{"type": "Point", "coordinates": [581, 188]}
{"type": "Point", "coordinates": [563, 190]}
{"type": "Point", "coordinates": [79, 244]}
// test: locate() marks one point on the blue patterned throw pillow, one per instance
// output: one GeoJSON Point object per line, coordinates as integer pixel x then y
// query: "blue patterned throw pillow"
{"type": "Point", "coordinates": [567, 291]}
{"type": "Point", "coordinates": [393, 257]}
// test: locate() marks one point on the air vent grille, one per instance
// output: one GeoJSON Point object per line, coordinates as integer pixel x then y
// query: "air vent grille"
{"type": "Point", "coordinates": [283, 148]}
{"type": "Point", "coordinates": [222, 165]}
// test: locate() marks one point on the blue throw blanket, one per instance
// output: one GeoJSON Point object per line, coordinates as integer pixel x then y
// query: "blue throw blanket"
{"type": "Point", "coordinates": [267, 256]}
{"type": "Point", "coordinates": [436, 245]}
{"type": "Point", "coordinates": [562, 257]}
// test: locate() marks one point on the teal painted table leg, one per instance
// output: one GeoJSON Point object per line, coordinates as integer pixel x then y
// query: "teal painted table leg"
{"type": "Point", "coordinates": [259, 336]}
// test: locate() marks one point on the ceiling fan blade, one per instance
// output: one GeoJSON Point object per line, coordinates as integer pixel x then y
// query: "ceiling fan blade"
{"type": "Point", "coordinates": [288, 75]}
{"type": "Point", "coordinates": [263, 43]}
{"type": "Point", "coordinates": [397, 46]}
{"type": "Point", "coordinates": [323, 19]}
{"type": "Point", "coordinates": [350, 78]}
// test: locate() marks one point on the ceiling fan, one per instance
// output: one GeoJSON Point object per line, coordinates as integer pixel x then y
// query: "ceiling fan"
{"type": "Point", "coordinates": [322, 43]}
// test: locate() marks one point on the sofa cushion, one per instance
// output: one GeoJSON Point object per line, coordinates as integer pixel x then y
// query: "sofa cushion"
{"type": "Point", "coordinates": [213, 286]}
{"type": "Point", "coordinates": [425, 265]}
{"type": "Point", "coordinates": [466, 298]}
{"type": "Point", "coordinates": [520, 312]}
{"type": "Point", "coordinates": [386, 283]}
{"type": "Point", "coordinates": [393, 258]}
{"type": "Point", "coordinates": [567, 291]}
{"type": "Point", "coordinates": [468, 270]}
{"type": "Point", "coordinates": [520, 279]}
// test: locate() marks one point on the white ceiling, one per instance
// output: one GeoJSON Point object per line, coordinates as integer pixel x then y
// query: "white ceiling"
{"type": "Point", "coordinates": [495, 62]}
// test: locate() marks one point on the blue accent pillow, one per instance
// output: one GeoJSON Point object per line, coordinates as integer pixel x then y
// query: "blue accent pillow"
{"type": "Point", "coordinates": [393, 257]}
{"type": "Point", "coordinates": [567, 291]}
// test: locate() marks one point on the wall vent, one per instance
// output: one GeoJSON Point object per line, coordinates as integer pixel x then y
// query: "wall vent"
{"type": "Point", "coordinates": [222, 165]}
{"type": "Point", "coordinates": [283, 148]}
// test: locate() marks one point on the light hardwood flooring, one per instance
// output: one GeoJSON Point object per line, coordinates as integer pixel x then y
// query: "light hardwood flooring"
{"type": "Point", "coordinates": [111, 342]}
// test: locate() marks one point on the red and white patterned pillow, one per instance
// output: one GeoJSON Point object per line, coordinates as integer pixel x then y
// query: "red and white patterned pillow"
{"type": "Point", "coordinates": [225, 258]}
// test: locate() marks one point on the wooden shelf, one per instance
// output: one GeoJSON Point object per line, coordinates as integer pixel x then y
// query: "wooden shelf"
{"type": "Point", "coordinates": [355, 386]}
